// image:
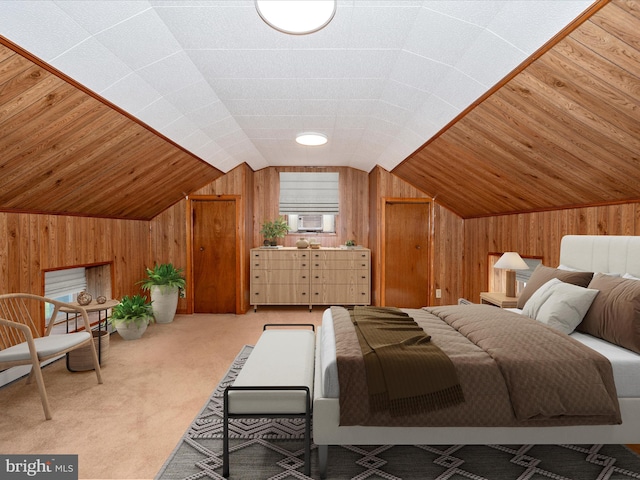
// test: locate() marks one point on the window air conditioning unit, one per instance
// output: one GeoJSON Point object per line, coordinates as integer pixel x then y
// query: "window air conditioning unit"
{"type": "Point", "coordinates": [310, 223]}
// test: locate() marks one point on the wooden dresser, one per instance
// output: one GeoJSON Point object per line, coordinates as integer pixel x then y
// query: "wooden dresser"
{"type": "Point", "coordinates": [325, 276]}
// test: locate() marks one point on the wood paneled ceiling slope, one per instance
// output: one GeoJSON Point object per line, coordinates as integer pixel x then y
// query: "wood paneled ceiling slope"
{"type": "Point", "coordinates": [563, 132]}
{"type": "Point", "coordinates": [64, 151]}
{"type": "Point", "coordinates": [121, 109]}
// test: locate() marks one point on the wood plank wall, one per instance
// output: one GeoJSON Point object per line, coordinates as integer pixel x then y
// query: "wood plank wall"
{"type": "Point", "coordinates": [32, 243]}
{"type": "Point", "coordinates": [447, 238]}
{"type": "Point", "coordinates": [351, 223]}
{"type": "Point", "coordinates": [537, 234]}
{"type": "Point", "coordinates": [169, 229]}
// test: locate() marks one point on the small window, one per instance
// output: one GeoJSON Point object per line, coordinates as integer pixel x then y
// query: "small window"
{"type": "Point", "coordinates": [63, 285]}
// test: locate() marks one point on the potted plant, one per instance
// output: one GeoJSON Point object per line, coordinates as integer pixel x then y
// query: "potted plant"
{"type": "Point", "coordinates": [131, 316]}
{"type": "Point", "coordinates": [272, 230]}
{"type": "Point", "coordinates": [164, 283]}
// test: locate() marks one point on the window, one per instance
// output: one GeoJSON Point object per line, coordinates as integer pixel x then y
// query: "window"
{"type": "Point", "coordinates": [63, 285]}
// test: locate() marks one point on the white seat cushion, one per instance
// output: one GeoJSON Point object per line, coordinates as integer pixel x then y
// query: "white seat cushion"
{"type": "Point", "coordinates": [45, 346]}
{"type": "Point", "coordinates": [280, 358]}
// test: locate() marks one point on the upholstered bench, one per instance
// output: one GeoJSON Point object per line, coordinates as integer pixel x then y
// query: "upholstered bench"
{"type": "Point", "coordinates": [275, 381]}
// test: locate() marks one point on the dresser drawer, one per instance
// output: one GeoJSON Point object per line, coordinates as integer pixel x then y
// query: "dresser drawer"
{"type": "Point", "coordinates": [262, 264]}
{"type": "Point", "coordinates": [339, 264]}
{"type": "Point", "coordinates": [280, 294]}
{"type": "Point", "coordinates": [277, 254]}
{"type": "Point", "coordinates": [340, 255]}
{"type": "Point", "coordinates": [340, 277]}
{"type": "Point", "coordinates": [340, 295]}
{"type": "Point", "coordinates": [262, 276]}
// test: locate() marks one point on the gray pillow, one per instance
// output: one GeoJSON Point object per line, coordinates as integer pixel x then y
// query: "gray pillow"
{"type": "Point", "coordinates": [560, 305]}
{"type": "Point", "coordinates": [542, 275]}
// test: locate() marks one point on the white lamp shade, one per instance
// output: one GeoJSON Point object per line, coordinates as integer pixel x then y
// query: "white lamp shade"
{"type": "Point", "coordinates": [511, 261]}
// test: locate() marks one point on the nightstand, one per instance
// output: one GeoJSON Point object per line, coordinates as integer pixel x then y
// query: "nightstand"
{"type": "Point", "coordinates": [498, 299]}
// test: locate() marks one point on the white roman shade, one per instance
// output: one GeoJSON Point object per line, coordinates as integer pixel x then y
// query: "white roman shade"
{"type": "Point", "coordinates": [309, 193]}
{"type": "Point", "coordinates": [69, 281]}
{"type": "Point", "coordinates": [523, 275]}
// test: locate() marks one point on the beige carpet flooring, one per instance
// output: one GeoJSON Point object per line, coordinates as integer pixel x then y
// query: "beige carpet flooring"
{"type": "Point", "coordinates": [153, 388]}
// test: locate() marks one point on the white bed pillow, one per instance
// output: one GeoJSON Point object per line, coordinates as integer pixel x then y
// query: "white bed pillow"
{"type": "Point", "coordinates": [560, 305]}
{"type": "Point", "coordinates": [628, 276]}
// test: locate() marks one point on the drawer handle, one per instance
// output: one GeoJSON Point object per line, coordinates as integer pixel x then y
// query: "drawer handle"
{"type": "Point", "coordinates": [317, 264]}
{"type": "Point", "coordinates": [364, 265]}
{"type": "Point", "coordinates": [317, 276]}
{"type": "Point", "coordinates": [304, 276]}
{"type": "Point", "coordinates": [258, 276]}
{"type": "Point", "coordinates": [363, 277]}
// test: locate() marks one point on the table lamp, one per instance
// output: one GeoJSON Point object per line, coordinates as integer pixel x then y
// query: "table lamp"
{"type": "Point", "coordinates": [511, 261]}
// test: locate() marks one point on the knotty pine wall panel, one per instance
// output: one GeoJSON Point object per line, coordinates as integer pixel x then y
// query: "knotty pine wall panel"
{"type": "Point", "coordinates": [352, 222]}
{"type": "Point", "coordinates": [537, 234]}
{"type": "Point", "coordinates": [448, 256]}
{"type": "Point", "coordinates": [447, 238]}
{"type": "Point", "coordinates": [239, 181]}
{"type": "Point", "coordinates": [169, 230]}
{"type": "Point", "coordinates": [32, 243]}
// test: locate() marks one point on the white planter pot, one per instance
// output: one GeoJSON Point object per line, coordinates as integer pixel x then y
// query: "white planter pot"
{"type": "Point", "coordinates": [131, 330]}
{"type": "Point", "coordinates": [164, 302]}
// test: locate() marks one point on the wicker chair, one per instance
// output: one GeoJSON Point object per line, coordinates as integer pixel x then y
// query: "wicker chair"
{"type": "Point", "coordinates": [21, 343]}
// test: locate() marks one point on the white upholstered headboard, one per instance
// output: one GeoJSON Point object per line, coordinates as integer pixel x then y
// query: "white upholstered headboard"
{"type": "Point", "coordinates": [601, 253]}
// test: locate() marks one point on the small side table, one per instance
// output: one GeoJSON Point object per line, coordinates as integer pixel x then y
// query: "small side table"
{"type": "Point", "coordinates": [499, 299]}
{"type": "Point", "coordinates": [92, 307]}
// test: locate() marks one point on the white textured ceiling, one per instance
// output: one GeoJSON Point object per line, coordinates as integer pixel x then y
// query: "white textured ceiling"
{"type": "Point", "coordinates": [379, 80]}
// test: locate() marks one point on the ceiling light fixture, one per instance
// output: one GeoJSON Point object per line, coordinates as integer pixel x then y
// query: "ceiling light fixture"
{"type": "Point", "coordinates": [296, 17]}
{"type": "Point", "coordinates": [311, 139]}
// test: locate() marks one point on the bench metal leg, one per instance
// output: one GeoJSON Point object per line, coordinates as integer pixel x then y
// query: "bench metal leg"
{"type": "Point", "coordinates": [225, 435]}
{"type": "Point", "coordinates": [307, 440]}
{"type": "Point", "coordinates": [323, 455]}
{"type": "Point", "coordinates": [306, 415]}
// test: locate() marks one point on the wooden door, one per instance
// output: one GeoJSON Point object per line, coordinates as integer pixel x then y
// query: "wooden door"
{"type": "Point", "coordinates": [214, 256]}
{"type": "Point", "coordinates": [406, 254]}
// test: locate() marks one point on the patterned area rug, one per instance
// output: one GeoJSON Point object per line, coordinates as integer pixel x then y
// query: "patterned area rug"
{"type": "Point", "coordinates": [273, 449]}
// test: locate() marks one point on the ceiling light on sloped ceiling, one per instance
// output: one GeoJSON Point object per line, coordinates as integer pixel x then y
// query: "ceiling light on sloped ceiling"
{"type": "Point", "coordinates": [311, 139]}
{"type": "Point", "coordinates": [296, 17]}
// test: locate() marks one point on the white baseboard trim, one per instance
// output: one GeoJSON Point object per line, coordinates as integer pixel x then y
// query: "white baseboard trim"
{"type": "Point", "coordinates": [14, 373]}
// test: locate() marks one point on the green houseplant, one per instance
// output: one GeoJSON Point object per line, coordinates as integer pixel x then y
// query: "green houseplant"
{"type": "Point", "coordinates": [164, 282]}
{"type": "Point", "coordinates": [272, 230]}
{"type": "Point", "coordinates": [131, 316]}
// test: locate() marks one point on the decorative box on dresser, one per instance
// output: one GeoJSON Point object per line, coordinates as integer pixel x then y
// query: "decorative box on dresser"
{"type": "Point", "coordinates": [324, 276]}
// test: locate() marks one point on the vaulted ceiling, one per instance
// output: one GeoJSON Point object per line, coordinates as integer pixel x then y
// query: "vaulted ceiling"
{"type": "Point", "coordinates": [122, 109]}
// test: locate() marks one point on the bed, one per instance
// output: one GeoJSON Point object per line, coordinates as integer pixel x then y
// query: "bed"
{"type": "Point", "coordinates": [618, 256]}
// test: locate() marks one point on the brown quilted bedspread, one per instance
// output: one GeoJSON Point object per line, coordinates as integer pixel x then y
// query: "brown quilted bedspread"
{"type": "Point", "coordinates": [513, 371]}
